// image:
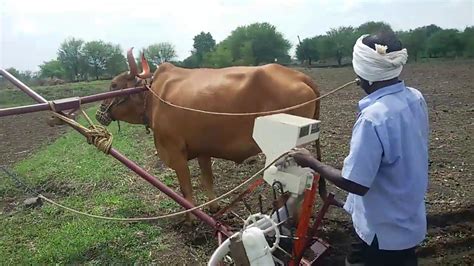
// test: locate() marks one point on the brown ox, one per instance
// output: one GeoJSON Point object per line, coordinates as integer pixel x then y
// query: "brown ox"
{"type": "Point", "coordinates": [181, 135]}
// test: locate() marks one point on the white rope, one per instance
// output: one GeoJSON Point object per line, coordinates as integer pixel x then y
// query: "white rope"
{"type": "Point", "coordinates": [251, 113]}
{"type": "Point", "coordinates": [252, 178]}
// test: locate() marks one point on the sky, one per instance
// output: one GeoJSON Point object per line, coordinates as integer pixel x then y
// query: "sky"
{"type": "Point", "coordinates": [32, 30]}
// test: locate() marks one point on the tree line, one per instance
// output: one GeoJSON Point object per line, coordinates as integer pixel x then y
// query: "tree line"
{"type": "Point", "coordinates": [424, 42]}
{"type": "Point", "coordinates": [79, 61]}
{"type": "Point", "coordinates": [254, 44]}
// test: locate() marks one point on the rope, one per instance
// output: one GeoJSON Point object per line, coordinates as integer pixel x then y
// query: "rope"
{"type": "Point", "coordinates": [251, 113]}
{"type": "Point", "coordinates": [97, 135]}
{"type": "Point", "coordinates": [252, 178]}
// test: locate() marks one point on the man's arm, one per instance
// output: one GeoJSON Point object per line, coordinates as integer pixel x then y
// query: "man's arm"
{"type": "Point", "coordinates": [334, 176]}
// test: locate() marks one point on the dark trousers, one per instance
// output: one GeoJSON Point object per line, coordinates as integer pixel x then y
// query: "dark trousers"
{"type": "Point", "coordinates": [373, 256]}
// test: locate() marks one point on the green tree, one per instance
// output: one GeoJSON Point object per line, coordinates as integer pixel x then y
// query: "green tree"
{"type": "Point", "coordinates": [203, 43]}
{"type": "Point", "coordinates": [220, 57]}
{"type": "Point", "coordinates": [467, 39]}
{"type": "Point", "coordinates": [26, 77]}
{"type": "Point", "coordinates": [445, 43]}
{"type": "Point", "coordinates": [307, 50]}
{"type": "Point", "coordinates": [431, 29]}
{"type": "Point", "coordinates": [14, 72]}
{"type": "Point", "coordinates": [414, 41]}
{"type": "Point", "coordinates": [116, 62]}
{"type": "Point", "coordinates": [52, 69]}
{"type": "Point", "coordinates": [342, 40]}
{"type": "Point", "coordinates": [192, 61]}
{"type": "Point", "coordinates": [72, 59]}
{"type": "Point", "coordinates": [104, 58]}
{"type": "Point", "coordinates": [372, 27]}
{"type": "Point", "coordinates": [160, 52]}
{"type": "Point", "coordinates": [266, 42]}
{"type": "Point", "coordinates": [254, 44]}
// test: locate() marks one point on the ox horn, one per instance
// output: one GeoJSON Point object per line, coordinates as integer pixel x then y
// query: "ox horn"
{"type": "Point", "coordinates": [131, 63]}
{"type": "Point", "coordinates": [146, 68]}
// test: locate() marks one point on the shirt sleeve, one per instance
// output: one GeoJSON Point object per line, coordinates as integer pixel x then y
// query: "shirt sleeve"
{"type": "Point", "coordinates": [365, 155]}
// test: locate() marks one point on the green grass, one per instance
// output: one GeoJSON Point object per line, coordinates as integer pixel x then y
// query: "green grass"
{"type": "Point", "coordinates": [76, 174]}
{"type": "Point", "coordinates": [15, 97]}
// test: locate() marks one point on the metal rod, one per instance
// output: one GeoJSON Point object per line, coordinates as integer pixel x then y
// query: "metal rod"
{"type": "Point", "coordinates": [169, 192]}
{"type": "Point", "coordinates": [44, 106]}
{"type": "Point", "coordinates": [22, 86]}
{"type": "Point", "coordinates": [134, 167]}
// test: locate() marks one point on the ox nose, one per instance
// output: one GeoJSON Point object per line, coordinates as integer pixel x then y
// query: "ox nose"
{"type": "Point", "coordinates": [102, 115]}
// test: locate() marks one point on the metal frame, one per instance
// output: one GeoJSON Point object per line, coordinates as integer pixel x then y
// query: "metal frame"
{"type": "Point", "coordinates": [73, 103]}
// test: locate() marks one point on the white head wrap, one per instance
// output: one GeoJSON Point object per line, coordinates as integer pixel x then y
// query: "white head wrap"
{"type": "Point", "coordinates": [377, 65]}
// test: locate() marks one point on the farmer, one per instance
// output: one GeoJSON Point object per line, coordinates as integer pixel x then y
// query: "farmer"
{"type": "Point", "coordinates": [386, 170]}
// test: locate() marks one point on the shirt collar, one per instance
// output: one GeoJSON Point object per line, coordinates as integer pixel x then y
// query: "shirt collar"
{"type": "Point", "coordinates": [374, 96]}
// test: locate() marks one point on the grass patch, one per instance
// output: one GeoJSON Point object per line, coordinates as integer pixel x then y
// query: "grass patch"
{"type": "Point", "coordinates": [10, 97]}
{"type": "Point", "coordinates": [79, 176]}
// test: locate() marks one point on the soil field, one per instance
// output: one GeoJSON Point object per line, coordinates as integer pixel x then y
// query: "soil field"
{"type": "Point", "coordinates": [448, 88]}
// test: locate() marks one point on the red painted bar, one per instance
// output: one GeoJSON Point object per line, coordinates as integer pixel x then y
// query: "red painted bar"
{"type": "Point", "coordinates": [169, 192]}
{"type": "Point", "coordinates": [86, 99]}
{"type": "Point", "coordinates": [127, 162]}
{"type": "Point", "coordinates": [22, 86]}
{"type": "Point", "coordinates": [317, 223]}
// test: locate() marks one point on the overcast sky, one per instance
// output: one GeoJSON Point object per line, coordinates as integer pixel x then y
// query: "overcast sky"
{"type": "Point", "coordinates": [31, 31]}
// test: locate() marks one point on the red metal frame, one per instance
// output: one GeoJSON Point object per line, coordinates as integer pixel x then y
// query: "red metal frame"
{"type": "Point", "coordinates": [303, 223]}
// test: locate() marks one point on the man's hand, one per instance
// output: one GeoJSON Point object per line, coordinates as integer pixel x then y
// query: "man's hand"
{"type": "Point", "coordinates": [301, 156]}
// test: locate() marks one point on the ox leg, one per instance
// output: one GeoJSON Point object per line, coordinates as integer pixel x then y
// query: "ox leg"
{"type": "Point", "coordinates": [207, 179]}
{"type": "Point", "coordinates": [180, 166]}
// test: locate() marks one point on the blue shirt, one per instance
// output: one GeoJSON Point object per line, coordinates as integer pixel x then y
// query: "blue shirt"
{"type": "Point", "coordinates": [389, 155]}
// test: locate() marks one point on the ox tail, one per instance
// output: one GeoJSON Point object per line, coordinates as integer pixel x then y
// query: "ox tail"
{"type": "Point", "coordinates": [317, 145]}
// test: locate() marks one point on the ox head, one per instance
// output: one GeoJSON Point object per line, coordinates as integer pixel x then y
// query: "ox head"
{"type": "Point", "coordinates": [128, 108]}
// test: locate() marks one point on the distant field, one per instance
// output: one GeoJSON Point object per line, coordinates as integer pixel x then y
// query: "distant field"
{"type": "Point", "coordinates": [10, 97]}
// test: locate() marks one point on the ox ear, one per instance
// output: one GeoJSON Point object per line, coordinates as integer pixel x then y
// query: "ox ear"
{"type": "Point", "coordinates": [132, 65]}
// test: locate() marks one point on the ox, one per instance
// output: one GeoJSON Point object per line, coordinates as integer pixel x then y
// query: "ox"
{"type": "Point", "coordinates": [181, 135]}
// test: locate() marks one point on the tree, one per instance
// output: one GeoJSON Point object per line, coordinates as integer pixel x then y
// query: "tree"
{"type": "Point", "coordinates": [116, 63]}
{"type": "Point", "coordinates": [191, 61]}
{"type": "Point", "coordinates": [14, 72]}
{"type": "Point", "coordinates": [253, 44]}
{"type": "Point", "coordinates": [220, 57]}
{"type": "Point", "coordinates": [52, 69]}
{"type": "Point", "coordinates": [467, 39]}
{"type": "Point", "coordinates": [103, 58]}
{"type": "Point", "coordinates": [72, 58]}
{"type": "Point", "coordinates": [343, 40]}
{"type": "Point", "coordinates": [373, 27]}
{"type": "Point", "coordinates": [307, 50]}
{"type": "Point", "coordinates": [267, 43]}
{"type": "Point", "coordinates": [414, 41]}
{"type": "Point", "coordinates": [445, 43]}
{"type": "Point", "coordinates": [160, 52]}
{"type": "Point", "coordinates": [203, 43]}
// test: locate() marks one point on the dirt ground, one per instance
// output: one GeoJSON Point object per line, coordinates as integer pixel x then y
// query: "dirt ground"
{"type": "Point", "coordinates": [449, 90]}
